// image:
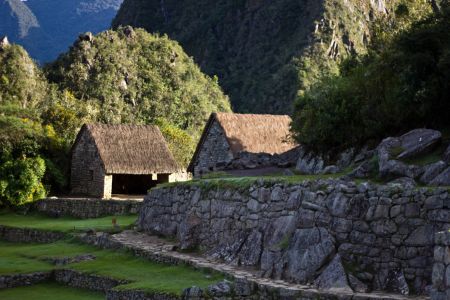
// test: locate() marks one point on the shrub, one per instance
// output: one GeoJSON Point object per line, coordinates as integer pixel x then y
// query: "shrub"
{"type": "Point", "coordinates": [20, 181]}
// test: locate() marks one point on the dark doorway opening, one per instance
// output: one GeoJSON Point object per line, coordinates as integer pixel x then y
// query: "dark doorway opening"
{"type": "Point", "coordinates": [136, 184]}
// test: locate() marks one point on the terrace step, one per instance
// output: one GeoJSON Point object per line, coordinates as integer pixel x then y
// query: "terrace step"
{"type": "Point", "coordinates": [160, 250]}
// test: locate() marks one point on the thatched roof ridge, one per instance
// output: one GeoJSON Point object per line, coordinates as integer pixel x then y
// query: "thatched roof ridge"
{"type": "Point", "coordinates": [254, 133]}
{"type": "Point", "coordinates": [131, 149]}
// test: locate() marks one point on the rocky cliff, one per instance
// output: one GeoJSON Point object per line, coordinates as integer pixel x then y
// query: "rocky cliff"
{"type": "Point", "coordinates": [264, 52]}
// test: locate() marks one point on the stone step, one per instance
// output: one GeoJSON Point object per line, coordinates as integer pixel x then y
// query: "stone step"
{"type": "Point", "coordinates": [160, 250]}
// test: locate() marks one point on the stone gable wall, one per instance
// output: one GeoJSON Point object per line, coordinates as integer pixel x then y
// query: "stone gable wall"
{"type": "Point", "coordinates": [87, 175]}
{"type": "Point", "coordinates": [215, 151]}
{"type": "Point", "coordinates": [441, 267]}
{"type": "Point", "coordinates": [383, 234]}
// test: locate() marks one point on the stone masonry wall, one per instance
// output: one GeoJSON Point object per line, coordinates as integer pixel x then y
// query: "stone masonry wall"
{"type": "Point", "coordinates": [87, 208]}
{"type": "Point", "coordinates": [441, 267]}
{"type": "Point", "coordinates": [16, 280]}
{"type": "Point", "coordinates": [383, 234]}
{"type": "Point", "coordinates": [87, 175]}
{"type": "Point", "coordinates": [28, 235]}
{"type": "Point", "coordinates": [215, 151]}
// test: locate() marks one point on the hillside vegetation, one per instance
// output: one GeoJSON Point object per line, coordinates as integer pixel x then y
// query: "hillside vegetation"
{"type": "Point", "coordinates": [403, 85]}
{"type": "Point", "coordinates": [123, 76]}
{"type": "Point", "coordinates": [265, 53]}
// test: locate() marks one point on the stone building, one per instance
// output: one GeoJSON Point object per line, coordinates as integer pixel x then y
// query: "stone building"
{"type": "Point", "coordinates": [229, 138]}
{"type": "Point", "coordinates": [119, 159]}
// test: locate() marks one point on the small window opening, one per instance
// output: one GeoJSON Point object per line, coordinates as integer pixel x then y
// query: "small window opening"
{"type": "Point", "coordinates": [91, 175]}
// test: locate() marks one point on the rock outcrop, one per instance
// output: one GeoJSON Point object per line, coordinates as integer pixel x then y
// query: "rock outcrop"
{"type": "Point", "coordinates": [4, 42]}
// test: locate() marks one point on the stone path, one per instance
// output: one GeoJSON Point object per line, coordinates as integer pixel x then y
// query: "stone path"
{"type": "Point", "coordinates": [161, 250]}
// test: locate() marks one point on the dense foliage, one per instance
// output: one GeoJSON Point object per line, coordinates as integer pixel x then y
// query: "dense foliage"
{"type": "Point", "coordinates": [23, 141]}
{"type": "Point", "coordinates": [403, 85]}
{"type": "Point", "coordinates": [265, 53]}
{"type": "Point", "coordinates": [124, 76]}
{"type": "Point", "coordinates": [131, 76]}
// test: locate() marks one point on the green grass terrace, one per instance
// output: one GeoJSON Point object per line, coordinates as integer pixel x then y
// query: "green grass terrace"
{"type": "Point", "coordinates": [39, 221]}
{"type": "Point", "coordinates": [144, 275]}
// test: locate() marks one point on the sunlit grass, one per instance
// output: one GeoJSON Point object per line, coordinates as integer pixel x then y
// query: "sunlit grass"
{"type": "Point", "coordinates": [142, 274]}
{"type": "Point", "coordinates": [64, 224]}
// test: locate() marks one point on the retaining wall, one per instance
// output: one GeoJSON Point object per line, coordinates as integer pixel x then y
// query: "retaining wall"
{"type": "Point", "coordinates": [384, 234]}
{"type": "Point", "coordinates": [16, 280]}
{"type": "Point", "coordinates": [87, 208]}
{"type": "Point", "coordinates": [441, 267]}
{"type": "Point", "coordinates": [28, 235]}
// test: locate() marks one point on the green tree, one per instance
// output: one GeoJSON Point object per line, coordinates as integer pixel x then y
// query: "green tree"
{"type": "Point", "coordinates": [21, 181]}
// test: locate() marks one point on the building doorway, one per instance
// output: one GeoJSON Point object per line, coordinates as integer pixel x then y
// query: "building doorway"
{"type": "Point", "coordinates": [129, 184]}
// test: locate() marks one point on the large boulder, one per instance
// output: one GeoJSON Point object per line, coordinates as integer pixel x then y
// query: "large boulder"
{"type": "Point", "coordinates": [220, 289]}
{"type": "Point", "coordinates": [193, 292]}
{"type": "Point", "coordinates": [432, 171]}
{"type": "Point", "coordinates": [446, 157]}
{"type": "Point", "coordinates": [418, 141]}
{"type": "Point", "coordinates": [310, 164]}
{"type": "Point", "coordinates": [334, 277]}
{"type": "Point", "coordinates": [392, 281]}
{"type": "Point", "coordinates": [307, 252]}
{"type": "Point", "coordinates": [250, 252]}
{"type": "Point", "coordinates": [442, 179]}
{"type": "Point", "coordinates": [393, 149]}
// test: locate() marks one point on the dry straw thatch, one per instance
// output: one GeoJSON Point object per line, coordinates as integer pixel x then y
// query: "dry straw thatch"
{"type": "Point", "coordinates": [251, 133]}
{"type": "Point", "coordinates": [132, 149]}
{"type": "Point", "coordinates": [256, 133]}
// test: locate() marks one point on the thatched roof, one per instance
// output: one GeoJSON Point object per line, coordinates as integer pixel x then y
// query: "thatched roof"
{"type": "Point", "coordinates": [252, 133]}
{"type": "Point", "coordinates": [131, 149]}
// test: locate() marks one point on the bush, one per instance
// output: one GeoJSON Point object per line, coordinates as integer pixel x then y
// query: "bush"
{"type": "Point", "coordinates": [21, 181]}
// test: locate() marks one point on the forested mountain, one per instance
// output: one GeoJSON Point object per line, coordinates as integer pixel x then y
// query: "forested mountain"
{"type": "Point", "coordinates": [265, 52]}
{"type": "Point", "coordinates": [47, 28]}
{"type": "Point", "coordinates": [123, 76]}
{"type": "Point", "coordinates": [131, 76]}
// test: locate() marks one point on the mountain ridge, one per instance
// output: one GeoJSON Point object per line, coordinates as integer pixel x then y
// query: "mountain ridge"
{"type": "Point", "coordinates": [263, 52]}
{"type": "Point", "coordinates": [47, 28]}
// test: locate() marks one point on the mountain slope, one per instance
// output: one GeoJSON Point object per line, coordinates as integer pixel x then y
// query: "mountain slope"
{"type": "Point", "coordinates": [16, 19]}
{"type": "Point", "coordinates": [264, 52]}
{"type": "Point", "coordinates": [22, 83]}
{"type": "Point", "coordinates": [47, 28]}
{"type": "Point", "coordinates": [131, 76]}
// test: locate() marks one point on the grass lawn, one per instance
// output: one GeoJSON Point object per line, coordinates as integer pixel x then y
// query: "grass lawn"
{"type": "Point", "coordinates": [64, 224]}
{"type": "Point", "coordinates": [244, 182]}
{"type": "Point", "coordinates": [49, 291]}
{"type": "Point", "coordinates": [145, 275]}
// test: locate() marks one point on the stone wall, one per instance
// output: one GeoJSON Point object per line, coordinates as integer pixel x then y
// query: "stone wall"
{"type": "Point", "coordinates": [28, 235]}
{"type": "Point", "coordinates": [441, 267]}
{"type": "Point", "coordinates": [214, 153]}
{"type": "Point", "coordinates": [106, 285]}
{"type": "Point", "coordinates": [86, 281]}
{"type": "Point", "coordinates": [139, 295]}
{"type": "Point", "coordinates": [382, 234]}
{"type": "Point", "coordinates": [87, 208]}
{"type": "Point", "coordinates": [87, 175]}
{"type": "Point", "coordinates": [16, 280]}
